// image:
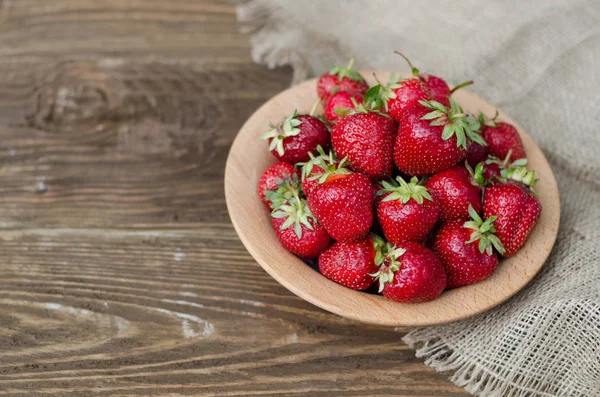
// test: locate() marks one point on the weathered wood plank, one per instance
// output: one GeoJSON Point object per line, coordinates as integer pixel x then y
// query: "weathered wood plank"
{"type": "Point", "coordinates": [121, 274]}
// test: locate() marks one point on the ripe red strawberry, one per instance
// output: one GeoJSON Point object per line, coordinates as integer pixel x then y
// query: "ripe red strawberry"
{"type": "Point", "coordinates": [465, 249]}
{"type": "Point", "coordinates": [343, 204]}
{"type": "Point", "coordinates": [280, 177]}
{"type": "Point", "coordinates": [407, 212]}
{"type": "Point", "coordinates": [340, 99]}
{"type": "Point", "coordinates": [432, 138]}
{"type": "Point", "coordinates": [515, 204]}
{"type": "Point", "coordinates": [410, 272]}
{"type": "Point", "coordinates": [402, 94]}
{"type": "Point", "coordinates": [307, 238]}
{"type": "Point", "coordinates": [476, 153]}
{"type": "Point", "coordinates": [316, 167]}
{"type": "Point", "coordinates": [350, 264]}
{"type": "Point", "coordinates": [341, 79]}
{"type": "Point", "coordinates": [296, 137]}
{"type": "Point", "coordinates": [454, 191]}
{"type": "Point", "coordinates": [501, 138]}
{"type": "Point", "coordinates": [366, 139]}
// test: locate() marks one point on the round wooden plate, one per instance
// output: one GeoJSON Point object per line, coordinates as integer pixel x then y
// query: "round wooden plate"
{"type": "Point", "coordinates": [248, 159]}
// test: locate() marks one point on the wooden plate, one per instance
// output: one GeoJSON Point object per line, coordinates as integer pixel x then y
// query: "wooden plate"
{"type": "Point", "coordinates": [248, 159]}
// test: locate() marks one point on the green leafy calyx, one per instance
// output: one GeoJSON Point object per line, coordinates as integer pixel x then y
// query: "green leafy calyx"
{"type": "Point", "coordinates": [347, 71]}
{"type": "Point", "coordinates": [328, 162]}
{"type": "Point", "coordinates": [404, 191]}
{"type": "Point", "coordinates": [277, 133]}
{"type": "Point", "coordinates": [483, 232]}
{"type": "Point", "coordinates": [521, 174]}
{"type": "Point", "coordinates": [455, 122]}
{"type": "Point", "coordinates": [387, 258]}
{"type": "Point", "coordinates": [297, 213]}
{"type": "Point", "coordinates": [287, 188]}
{"type": "Point", "coordinates": [372, 103]}
{"type": "Point", "coordinates": [488, 121]}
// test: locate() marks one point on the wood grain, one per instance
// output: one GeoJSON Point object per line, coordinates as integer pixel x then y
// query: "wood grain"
{"type": "Point", "coordinates": [249, 158]}
{"type": "Point", "coordinates": [121, 274]}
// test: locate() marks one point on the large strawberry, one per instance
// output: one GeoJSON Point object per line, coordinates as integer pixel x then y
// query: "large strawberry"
{"type": "Point", "coordinates": [366, 139]}
{"type": "Point", "coordinates": [296, 137]}
{"type": "Point", "coordinates": [341, 79]}
{"type": "Point", "coordinates": [515, 204]}
{"type": "Point", "coordinates": [298, 230]}
{"type": "Point", "coordinates": [432, 137]}
{"type": "Point", "coordinates": [340, 100]}
{"type": "Point", "coordinates": [454, 190]}
{"type": "Point", "coordinates": [280, 177]}
{"type": "Point", "coordinates": [410, 272]}
{"type": "Point", "coordinates": [501, 138]}
{"type": "Point", "coordinates": [350, 264]}
{"type": "Point", "coordinates": [407, 212]}
{"type": "Point", "coordinates": [343, 204]}
{"type": "Point", "coordinates": [465, 249]}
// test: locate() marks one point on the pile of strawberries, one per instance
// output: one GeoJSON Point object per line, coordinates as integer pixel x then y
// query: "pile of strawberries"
{"type": "Point", "coordinates": [418, 195]}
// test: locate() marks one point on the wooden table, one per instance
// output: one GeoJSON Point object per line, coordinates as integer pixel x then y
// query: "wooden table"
{"type": "Point", "coordinates": [121, 273]}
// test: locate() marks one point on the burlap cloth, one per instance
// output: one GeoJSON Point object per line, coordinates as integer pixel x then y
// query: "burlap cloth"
{"type": "Point", "coordinates": [538, 60]}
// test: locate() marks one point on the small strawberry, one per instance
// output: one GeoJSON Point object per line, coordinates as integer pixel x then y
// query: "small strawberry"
{"type": "Point", "coordinates": [307, 238]}
{"type": "Point", "coordinates": [400, 94]}
{"type": "Point", "coordinates": [488, 171]}
{"type": "Point", "coordinates": [340, 99]}
{"type": "Point", "coordinates": [516, 207]}
{"type": "Point", "coordinates": [366, 139]}
{"type": "Point", "coordinates": [432, 137]}
{"type": "Point", "coordinates": [319, 165]}
{"type": "Point", "coordinates": [476, 153]}
{"type": "Point", "coordinates": [454, 191]}
{"type": "Point", "coordinates": [296, 137]}
{"type": "Point", "coordinates": [410, 272]}
{"type": "Point", "coordinates": [407, 212]}
{"type": "Point", "coordinates": [350, 264]}
{"type": "Point", "coordinates": [281, 178]}
{"type": "Point", "coordinates": [465, 249]}
{"type": "Point", "coordinates": [341, 79]}
{"type": "Point", "coordinates": [343, 204]}
{"type": "Point", "coordinates": [501, 138]}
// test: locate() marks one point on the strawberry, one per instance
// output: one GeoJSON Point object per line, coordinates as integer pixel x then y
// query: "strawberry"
{"type": "Point", "coordinates": [516, 205]}
{"type": "Point", "coordinates": [281, 178]}
{"type": "Point", "coordinates": [501, 138]}
{"type": "Point", "coordinates": [350, 264]}
{"type": "Point", "coordinates": [296, 137]}
{"type": "Point", "coordinates": [319, 165]}
{"type": "Point", "coordinates": [366, 139]}
{"type": "Point", "coordinates": [432, 137]}
{"type": "Point", "coordinates": [465, 249]}
{"type": "Point", "coordinates": [307, 238]}
{"type": "Point", "coordinates": [341, 79]}
{"type": "Point", "coordinates": [340, 99]}
{"type": "Point", "coordinates": [400, 94]}
{"type": "Point", "coordinates": [407, 212]}
{"type": "Point", "coordinates": [409, 272]}
{"type": "Point", "coordinates": [476, 153]}
{"type": "Point", "coordinates": [488, 171]}
{"type": "Point", "coordinates": [343, 204]}
{"type": "Point", "coordinates": [454, 191]}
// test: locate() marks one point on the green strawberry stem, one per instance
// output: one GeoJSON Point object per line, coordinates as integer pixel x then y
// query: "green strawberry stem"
{"type": "Point", "coordinates": [313, 110]}
{"type": "Point", "coordinates": [414, 71]}
{"type": "Point", "coordinates": [461, 85]}
{"type": "Point", "coordinates": [483, 231]}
